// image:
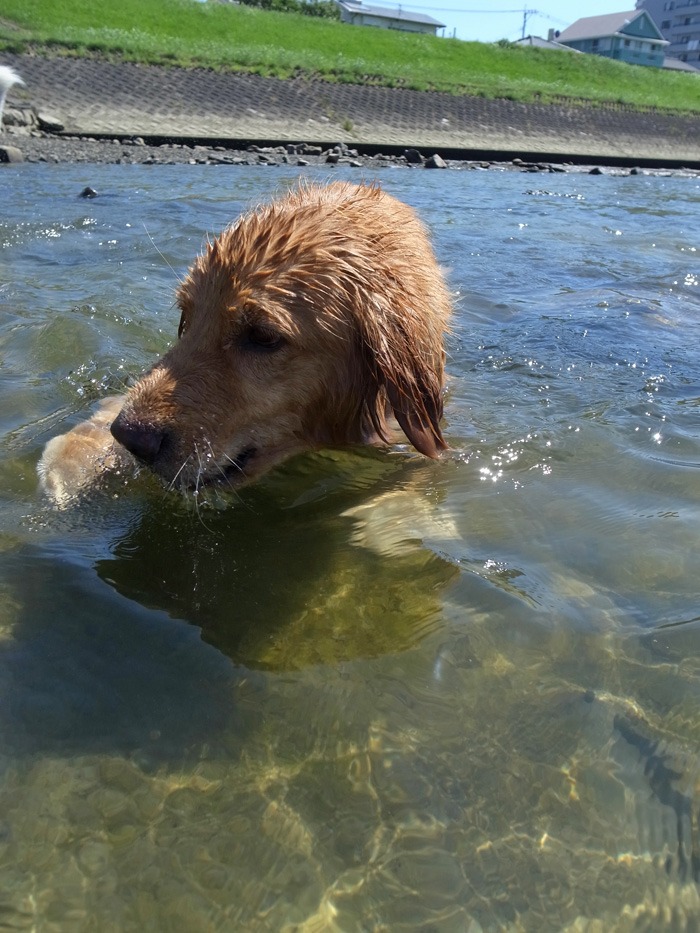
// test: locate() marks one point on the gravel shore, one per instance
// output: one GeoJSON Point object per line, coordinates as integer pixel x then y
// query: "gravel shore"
{"type": "Point", "coordinates": [49, 148]}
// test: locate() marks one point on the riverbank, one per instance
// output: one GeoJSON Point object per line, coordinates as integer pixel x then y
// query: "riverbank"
{"type": "Point", "coordinates": [88, 98]}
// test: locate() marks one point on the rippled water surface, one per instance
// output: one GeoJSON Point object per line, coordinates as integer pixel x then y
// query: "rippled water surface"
{"type": "Point", "coordinates": [376, 692]}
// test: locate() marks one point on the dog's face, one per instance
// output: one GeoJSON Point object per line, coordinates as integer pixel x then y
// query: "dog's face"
{"type": "Point", "coordinates": [278, 353]}
{"type": "Point", "coordinates": [248, 383]}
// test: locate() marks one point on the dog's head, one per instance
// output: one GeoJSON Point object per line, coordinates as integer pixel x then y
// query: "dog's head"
{"type": "Point", "coordinates": [299, 329]}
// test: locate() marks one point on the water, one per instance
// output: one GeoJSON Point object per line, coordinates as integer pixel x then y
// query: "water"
{"type": "Point", "coordinates": [375, 693]}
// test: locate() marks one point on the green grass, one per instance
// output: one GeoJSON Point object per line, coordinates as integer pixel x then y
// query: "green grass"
{"type": "Point", "coordinates": [228, 37]}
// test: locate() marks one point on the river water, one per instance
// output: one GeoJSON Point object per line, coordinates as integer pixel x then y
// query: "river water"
{"type": "Point", "coordinates": [374, 692]}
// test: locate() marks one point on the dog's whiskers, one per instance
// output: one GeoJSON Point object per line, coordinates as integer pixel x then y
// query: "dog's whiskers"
{"type": "Point", "coordinates": [200, 470]}
{"type": "Point", "coordinates": [173, 481]}
{"type": "Point", "coordinates": [224, 477]}
{"type": "Point", "coordinates": [234, 463]}
{"type": "Point", "coordinates": [178, 275]}
{"type": "Point", "coordinates": [197, 482]}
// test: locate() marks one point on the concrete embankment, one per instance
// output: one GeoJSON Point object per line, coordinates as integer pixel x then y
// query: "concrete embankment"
{"type": "Point", "coordinates": [98, 97]}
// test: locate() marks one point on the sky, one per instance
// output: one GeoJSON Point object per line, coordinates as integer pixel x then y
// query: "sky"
{"type": "Point", "coordinates": [491, 20]}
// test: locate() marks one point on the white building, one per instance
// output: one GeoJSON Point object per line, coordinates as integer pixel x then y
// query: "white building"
{"type": "Point", "coordinates": [361, 14]}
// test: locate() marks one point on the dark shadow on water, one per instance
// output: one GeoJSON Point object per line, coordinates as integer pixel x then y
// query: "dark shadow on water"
{"type": "Point", "coordinates": [82, 671]}
{"type": "Point", "coordinates": [276, 582]}
{"type": "Point", "coordinates": [167, 643]}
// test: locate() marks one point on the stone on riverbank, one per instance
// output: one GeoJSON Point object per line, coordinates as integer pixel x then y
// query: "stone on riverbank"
{"type": "Point", "coordinates": [11, 154]}
{"type": "Point", "coordinates": [435, 161]}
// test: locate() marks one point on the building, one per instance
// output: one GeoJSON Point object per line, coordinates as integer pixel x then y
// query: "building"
{"type": "Point", "coordinates": [537, 42]}
{"type": "Point", "coordinates": [679, 22]}
{"type": "Point", "coordinates": [631, 37]}
{"type": "Point", "coordinates": [360, 14]}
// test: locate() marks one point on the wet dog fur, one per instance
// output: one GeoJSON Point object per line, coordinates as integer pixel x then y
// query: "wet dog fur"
{"type": "Point", "coordinates": [306, 324]}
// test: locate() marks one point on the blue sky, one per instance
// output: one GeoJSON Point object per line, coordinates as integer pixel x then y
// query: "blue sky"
{"type": "Point", "coordinates": [503, 19]}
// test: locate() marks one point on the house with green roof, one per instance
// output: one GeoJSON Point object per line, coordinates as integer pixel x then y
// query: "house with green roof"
{"type": "Point", "coordinates": [631, 37]}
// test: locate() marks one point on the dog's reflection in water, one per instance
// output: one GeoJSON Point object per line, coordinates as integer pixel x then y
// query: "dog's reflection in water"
{"type": "Point", "coordinates": [281, 583]}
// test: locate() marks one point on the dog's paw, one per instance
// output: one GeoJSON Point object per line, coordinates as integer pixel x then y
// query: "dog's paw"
{"type": "Point", "coordinates": [73, 462]}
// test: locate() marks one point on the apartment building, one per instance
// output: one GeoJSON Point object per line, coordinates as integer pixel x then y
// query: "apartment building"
{"type": "Point", "coordinates": [679, 23]}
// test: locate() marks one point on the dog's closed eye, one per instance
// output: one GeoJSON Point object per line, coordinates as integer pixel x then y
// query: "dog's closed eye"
{"type": "Point", "coordinates": [257, 337]}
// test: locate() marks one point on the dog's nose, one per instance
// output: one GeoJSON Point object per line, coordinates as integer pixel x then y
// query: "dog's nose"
{"type": "Point", "coordinates": [142, 440]}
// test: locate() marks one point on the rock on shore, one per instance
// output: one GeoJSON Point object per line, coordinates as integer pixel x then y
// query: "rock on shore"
{"type": "Point", "coordinates": [43, 147]}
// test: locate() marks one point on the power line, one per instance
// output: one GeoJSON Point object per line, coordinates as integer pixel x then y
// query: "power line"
{"type": "Point", "coordinates": [526, 14]}
{"type": "Point", "coordinates": [445, 9]}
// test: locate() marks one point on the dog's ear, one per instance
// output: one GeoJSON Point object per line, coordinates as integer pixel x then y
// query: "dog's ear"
{"type": "Point", "coordinates": [416, 399]}
{"type": "Point", "coordinates": [410, 376]}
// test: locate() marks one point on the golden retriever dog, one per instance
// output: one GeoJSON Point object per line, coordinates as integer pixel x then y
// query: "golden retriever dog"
{"type": "Point", "coordinates": [308, 323]}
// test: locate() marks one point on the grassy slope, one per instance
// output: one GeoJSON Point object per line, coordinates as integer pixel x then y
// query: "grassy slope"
{"type": "Point", "coordinates": [222, 36]}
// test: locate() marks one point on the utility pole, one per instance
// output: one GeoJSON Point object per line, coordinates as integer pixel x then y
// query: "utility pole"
{"type": "Point", "coordinates": [527, 13]}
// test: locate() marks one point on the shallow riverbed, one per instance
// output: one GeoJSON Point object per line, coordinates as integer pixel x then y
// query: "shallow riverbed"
{"type": "Point", "coordinates": [373, 692]}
